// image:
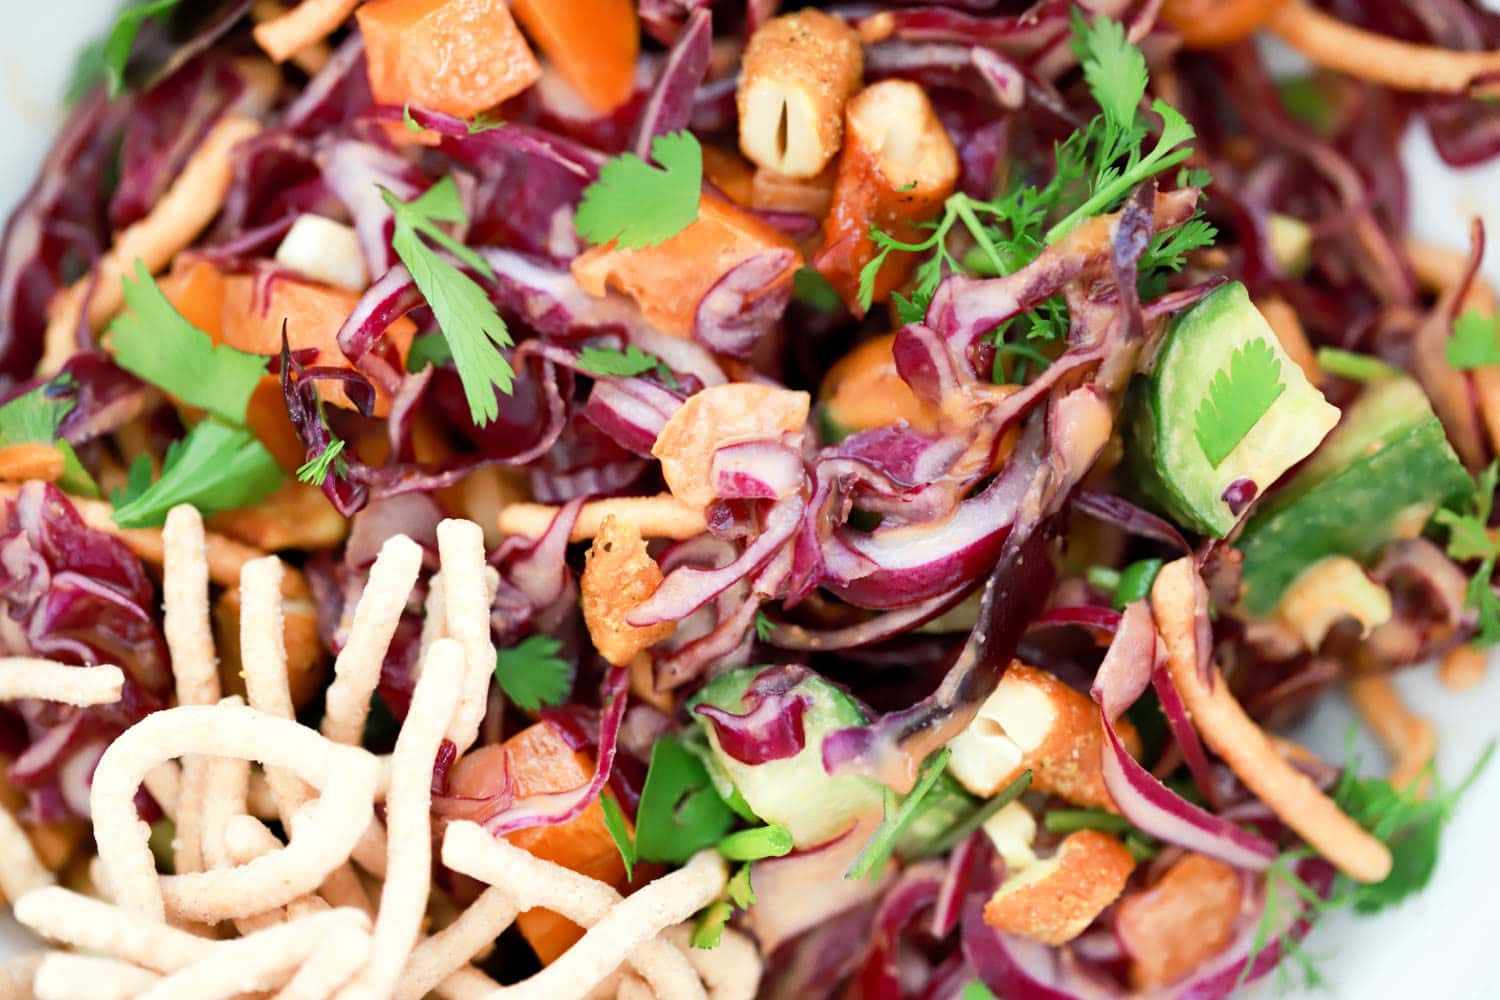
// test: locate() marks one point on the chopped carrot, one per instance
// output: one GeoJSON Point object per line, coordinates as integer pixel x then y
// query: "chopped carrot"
{"type": "Point", "coordinates": [668, 280]}
{"type": "Point", "coordinates": [539, 760]}
{"type": "Point", "coordinates": [196, 290]}
{"type": "Point", "coordinates": [730, 172]}
{"type": "Point", "coordinates": [593, 44]}
{"type": "Point", "coordinates": [1212, 24]}
{"type": "Point", "coordinates": [864, 390]}
{"type": "Point", "coordinates": [456, 56]}
{"type": "Point", "coordinates": [255, 310]}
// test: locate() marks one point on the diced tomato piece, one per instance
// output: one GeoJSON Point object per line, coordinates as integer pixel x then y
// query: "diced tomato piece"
{"type": "Point", "coordinates": [593, 44]}
{"type": "Point", "coordinates": [668, 280]}
{"type": "Point", "coordinates": [456, 56]}
{"type": "Point", "coordinates": [539, 760]}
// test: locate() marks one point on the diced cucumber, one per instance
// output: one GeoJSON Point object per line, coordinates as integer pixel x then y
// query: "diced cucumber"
{"type": "Point", "coordinates": [794, 791]}
{"type": "Point", "coordinates": [1220, 369]}
{"type": "Point", "coordinates": [1377, 478]}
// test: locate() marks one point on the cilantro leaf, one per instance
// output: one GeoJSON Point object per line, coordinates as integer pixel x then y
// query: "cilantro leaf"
{"type": "Point", "coordinates": [315, 469]}
{"type": "Point", "coordinates": [680, 813]}
{"type": "Point", "coordinates": [812, 289]}
{"type": "Point", "coordinates": [741, 893]}
{"type": "Point", "coordinates": [116, 51]}
{"type": "Point", "coordinates": [152, 340]}
{"type": "Point", "coordinates": [614, 822]}
{"type": "Point", "coordinates": [1475, 341]}
{"type": "Point", "coordinates": [898, 816]}
{"type": "Point", "coordinates": [1115, 72]}
{"type": "Point", "coordinates": [763, 626]}
{"type": "Point", "coordinates": [638, 205]}
{"type": "Point", "coordinates": [482, 122]}
{"type": "Point", "coordinates": [216, 467]}
{"type": "Point", "coordinates": [772, 841]}
{"type": "Point", "coordinates": [1239, 394]}
{"type": "Point", "coordinates": [1469, 538]}
{"type": "Point", "coordinates": [428, 349]}
{"type": "Point", "coordinates": [35, 417]}
{"type": "Point", "coordinates": [1168, 250]}
{"type": "Point", "coordinates": [532, 674]}
{"type": "Point", "coordinates": [608, 361]}
{"type": "Point", "coordinates": [467, 318]}
{"type": "Point", "coordinates": [976, 991]}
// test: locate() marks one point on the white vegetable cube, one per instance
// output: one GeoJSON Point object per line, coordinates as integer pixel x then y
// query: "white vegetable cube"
{"type": "Point", "coordinates": [1013, 722]}
{"type": "Point", "coordinates": [322, 250]}
{"type": "Point", "coordinates": [1013, 832]}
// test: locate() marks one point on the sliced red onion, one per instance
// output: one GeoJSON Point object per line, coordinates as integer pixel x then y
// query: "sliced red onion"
{"type": "Point", "coordinates": [414, 515]}
{"type": "Point", "coordinates": [1019, 969]}
{"type": "Point", "coordinates": [744, 304]}
{"type": "Point", "coordinates": [726, 644]}
{"type": "Point", "coordinates": [915, 890]}
{"type": "Point", "coordinates": [915, 562]}
{"type": "Point", "coordinates": [552, 808]}
{"type": "Point", "coordinates": [756, 470]}
{"type": "Point", "coordinates": [632, 411]}
{"type": "Point", "coordinates": [686, 589]}
{"type": "Point", "coordinates": [341, 84]}
{"type": "Point", "coordinates": [1101, 621]}
{"type": "Point", "coordinates": [786, 903]}
{"type": "Point", "coordinates": [771, 728]}
{"type": "Point", "coordinates": [355, 172]}
{"type": "Point", "coordinates": [1128, 517]}
{"type": "Point", "coordinates": [875, 629]}
{"type": "Point", "coordinates": [670, 105]}
{"type": "Point", "coordinates": [1146, 802]}
{"type": "Point", "coordinates": [957, 884]}
{"type": "Point", "coordinates": [539, 568]}
{"type": "Point", "coordinates": [1185, 736]}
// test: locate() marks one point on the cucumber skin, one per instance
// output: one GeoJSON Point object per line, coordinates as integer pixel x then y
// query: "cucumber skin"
{"type": "Point", "coordinates": [795, 792]}
{"type": "Point", "coordinates": [1349, 512]}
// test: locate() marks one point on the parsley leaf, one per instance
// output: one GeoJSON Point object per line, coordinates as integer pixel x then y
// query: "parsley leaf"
{"type": "Point", "coordinates": [315, 469]}
{"type": "Point", "coordinates": [482, 122]}
{"type": "Point", "coordinates": [152, 340]}
{"type": "Point", "coordinates": [608, 361]}
{"type": "Point", "coordinates": [1239, 394]}
{"type": "Point", "coordinates": [1475, 341]}
{"type": "Point", "coordinates": [680, 813]}
{"type": "Point", "coordinates": [216, 467]}
{"type": "Point", "coordinates": [467, 318]}
{"type": "Point", "coordinates": [871, 860]}
{"type": "Point", "coordinates": [35, 417]}
{"type": "Point", "coordinates": [614, 822]}
{"type": "Point", "coordinates": [638, 205]}
{"type": "Point", "coordinates": [532, 674]}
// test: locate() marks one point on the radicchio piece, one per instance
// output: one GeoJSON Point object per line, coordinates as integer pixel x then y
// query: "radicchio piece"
{"type": "Point", "coordinates": [670, 105]}
{"type": "Point", "coordinates": [771, 727]}
{"type": "Point", "coordinates": [744, 304]}
{"type": "Point", "coordinates": [70, 593]}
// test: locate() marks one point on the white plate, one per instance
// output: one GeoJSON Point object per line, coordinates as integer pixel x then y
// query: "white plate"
{"type": "Point", "coordinates": [1439, 945]}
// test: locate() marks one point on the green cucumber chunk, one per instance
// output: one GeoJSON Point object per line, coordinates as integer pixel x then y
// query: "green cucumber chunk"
{"type": "Point", "coordinates": [795, 791]}
{"type": "Point", "coordinates": [1224, 403]}
{"type": "Point", "coordinates": [1379, 476]}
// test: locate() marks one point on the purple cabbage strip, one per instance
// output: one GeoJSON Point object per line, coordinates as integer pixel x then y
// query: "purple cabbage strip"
{"type": "Point", "coordinates": [670, 104]}
{"type": "Point", "coordinates": [771, 726]}
{"type": "Point", "coordinates": [745, 304]}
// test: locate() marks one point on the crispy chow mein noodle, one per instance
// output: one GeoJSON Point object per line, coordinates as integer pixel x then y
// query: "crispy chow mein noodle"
{"type": "Point", "coordinates": [667, 500]}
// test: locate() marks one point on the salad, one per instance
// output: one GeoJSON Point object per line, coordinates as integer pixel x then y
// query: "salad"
{"type": "Point", "coordinates": [598, 498]}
